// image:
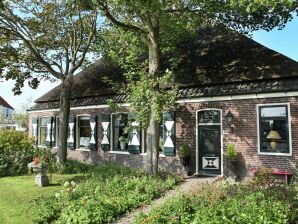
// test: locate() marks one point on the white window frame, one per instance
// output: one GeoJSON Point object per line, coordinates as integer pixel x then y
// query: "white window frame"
{"type": "Point", "coordinates": [143, 139]}
{"type": "Point", "coordinates": [289, 125]}
{"type": "Point", "coordinates": [112, 136]}
{"type": "Point", "coordinates": [78, 148]}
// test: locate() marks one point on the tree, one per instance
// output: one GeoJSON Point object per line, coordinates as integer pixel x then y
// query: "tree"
{"type": "Point", "coordinates": [46, 39]}
{"type": "Point", "coordinates": [158, 23]}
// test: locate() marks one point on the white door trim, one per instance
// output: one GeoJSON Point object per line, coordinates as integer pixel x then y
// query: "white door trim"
{"type": "Point", "coordinates": [197, 138]}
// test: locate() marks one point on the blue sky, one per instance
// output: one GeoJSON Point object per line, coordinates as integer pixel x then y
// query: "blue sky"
{"type": "Point", "coordinates": [284, 41]}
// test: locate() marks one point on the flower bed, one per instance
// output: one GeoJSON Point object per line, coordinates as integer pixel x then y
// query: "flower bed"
{"type": "Point", "coordinates": [109, 192]}
{"type": "Point", "coordinates": [227, 204]}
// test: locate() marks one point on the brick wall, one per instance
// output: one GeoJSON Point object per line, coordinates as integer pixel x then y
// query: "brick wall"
{"type": "Point", "coordinates": [244, 136]}
{"type": "Point", "coordinates": [169, 163]}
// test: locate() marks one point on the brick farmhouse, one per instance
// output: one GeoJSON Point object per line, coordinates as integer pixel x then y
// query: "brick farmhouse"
{"type": "Point", "coordinates": [232, 90]}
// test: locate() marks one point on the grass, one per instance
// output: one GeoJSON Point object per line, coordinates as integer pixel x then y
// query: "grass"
{"type": "Point", "coordinates": [18, 196]}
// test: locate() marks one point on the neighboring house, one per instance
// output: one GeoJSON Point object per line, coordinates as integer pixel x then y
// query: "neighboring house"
{"type": "Point", "coordinates": [6, 115]}
{"type": "Point", "coordinates": [6, 110]}
{"type": "Point", "coordinates": [221, 74]}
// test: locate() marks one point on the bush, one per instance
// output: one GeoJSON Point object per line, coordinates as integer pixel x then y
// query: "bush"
{"type": "Point", "coordinates": [227, 204]}
{"type": "Point", "coordinates": [16, 151]}
{"type": "Point", "coordinates": [108, 192]}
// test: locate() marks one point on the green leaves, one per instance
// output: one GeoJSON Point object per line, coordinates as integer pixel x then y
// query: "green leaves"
{"type": "Point", "coordinates": [42, 39]}
{"type": "Point", "coordinates": [109, 192]}
{"type": "Point", "coordinates": [220, 204]}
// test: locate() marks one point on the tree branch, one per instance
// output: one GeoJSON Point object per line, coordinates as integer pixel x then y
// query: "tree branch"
{"type": "Point", "coordinates": [105, 10]}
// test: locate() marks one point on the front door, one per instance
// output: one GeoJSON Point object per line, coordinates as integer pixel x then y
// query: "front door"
{"type": "Point", "coordinates": [209, 142]}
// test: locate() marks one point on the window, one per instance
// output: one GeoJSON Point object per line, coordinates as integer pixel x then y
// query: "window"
{"type": "Point", "coordinates": [119, 131]}
{"type": "Point", "coordinates": [209, 116]}
{"type": "Point", "coordinates": [42, 132]}
{"type": "Point", "coordinates": [84, 132]}
{"type": "Point", "coordinates": [274, 129]}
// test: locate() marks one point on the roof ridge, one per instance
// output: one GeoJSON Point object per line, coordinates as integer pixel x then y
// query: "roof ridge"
{"type": "Point", "coordinates": [4, 103]}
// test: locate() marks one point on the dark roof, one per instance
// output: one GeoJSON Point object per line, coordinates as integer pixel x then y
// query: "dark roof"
{"type": "Point", "coordinates": [219, 61]}
{"type": "Point", "coordinates": [209, 90]}
{"type": "Point", "coordinates": [5, 104]}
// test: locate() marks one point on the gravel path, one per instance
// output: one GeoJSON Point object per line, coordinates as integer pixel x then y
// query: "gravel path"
{"type": "Point", "coordinates": [186, 186]}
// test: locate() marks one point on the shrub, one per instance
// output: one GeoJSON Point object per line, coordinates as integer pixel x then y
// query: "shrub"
{"type": "Point", "coordinates": [16, 151]}
{"type": "Point", "coordinates": [108, 192]}
{"type": "Point", "coordinates": [263, 177]}
{"type": "Point", "coordinates": [226, 204]}
{"type": "Point", "coordinates": [231, 151]}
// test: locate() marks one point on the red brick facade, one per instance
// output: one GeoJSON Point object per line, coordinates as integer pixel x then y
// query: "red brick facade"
{"type": "Point", "coordinates": [244, 136]}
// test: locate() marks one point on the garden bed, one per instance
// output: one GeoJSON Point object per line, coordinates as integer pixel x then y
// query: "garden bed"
{"type": "Point", "coordinates": [221, 203]}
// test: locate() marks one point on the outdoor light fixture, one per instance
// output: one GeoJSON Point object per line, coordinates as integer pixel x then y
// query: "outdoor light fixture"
{"type": "Point", "coordinates": [273, 136]}
{"type": "Point", "coordinates": [229, 118]}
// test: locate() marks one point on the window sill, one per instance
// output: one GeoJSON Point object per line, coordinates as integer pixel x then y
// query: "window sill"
{"type": "Point", "coordinates": [41, 146]}
{"type": "Point", "coordinates": [274, 154]}
{"type": "Point", "coordinates": [119, 152]}
{"type": "Point", "coordinates": [86, 150]}
{"type": "Point", "coordinates": [160, 155]}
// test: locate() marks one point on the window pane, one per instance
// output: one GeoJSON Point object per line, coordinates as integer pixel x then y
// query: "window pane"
{"type": "Point", "coordinates": [42, 135]}
{"type": "Point", "coordinates": [209, 116]}
{"type": "Point", "coordinates": [43, 121]}
{"type": "Point", "coordinates": [279, 111]}
{"type": "Point", "coordinates": [84, 132]}
{"type": "Point", "coordinates": [274, 131]}
{"type": "Point", "coordinates": [120, 136]}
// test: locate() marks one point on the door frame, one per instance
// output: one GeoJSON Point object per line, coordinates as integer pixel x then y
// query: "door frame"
{"type": "Point", "coordinates": [197, 139]}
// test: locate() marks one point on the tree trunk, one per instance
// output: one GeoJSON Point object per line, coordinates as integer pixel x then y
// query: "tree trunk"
{"type": "Point", "coordinates": [65, 95]}
{"type": "Point", "coordinates": [153, 129]}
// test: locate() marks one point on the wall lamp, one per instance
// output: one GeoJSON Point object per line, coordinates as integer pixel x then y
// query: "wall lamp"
{"type": "Point", "coordinates": [230, 119]}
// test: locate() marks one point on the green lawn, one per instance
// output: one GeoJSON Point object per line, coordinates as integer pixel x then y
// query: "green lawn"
{"type": "Point", "coordinates": [18, 196]}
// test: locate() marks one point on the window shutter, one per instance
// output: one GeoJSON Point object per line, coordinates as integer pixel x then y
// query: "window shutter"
{"type": "Point", "coordinates": [53, 131]}
{"type": "Point", "coordinates": [134, 136]}
{"type": "Point", "coordinates": [35, 129]}
{"type": "Point", "coordinates": [49, 132]}
{"type": "Point", "coordinates": [71, 132]}
{"type": "Point", "coordinates": [169, 133]}
{"type": "Point", "coordinates": [105, 131]}
{"type": "Point", "coordinates": [93, 138]}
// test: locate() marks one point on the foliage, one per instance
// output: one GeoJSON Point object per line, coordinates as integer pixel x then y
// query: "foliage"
{"type": "Point", "coordinates": [184, 150]}
{"type": "Point", "coordinates": [133, 28]}
{"type": "Point", "coordinates": [22, 120]}
{"type": "Point", "coordinates": [226, 204]}
{"type": "Point", "coordinates": [231, 152]}
{"type": "Point", "coordinates": [263, 177]}
{"type": "Point", "coordinates": [30, 48]}
{"type": "Point", "coordinates": [74, 167]}
{"type": "Point", "coordinates": [108, 192]}
{"type": "Point", "coordinates": [16, 151]}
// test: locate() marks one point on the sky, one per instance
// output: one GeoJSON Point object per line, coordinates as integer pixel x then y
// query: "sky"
{"type": "Point", "coordinates": [283, 41]}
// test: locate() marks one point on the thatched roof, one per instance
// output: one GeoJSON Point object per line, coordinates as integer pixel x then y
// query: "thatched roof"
{"type": "Point", "coordinates": [217, 58]}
